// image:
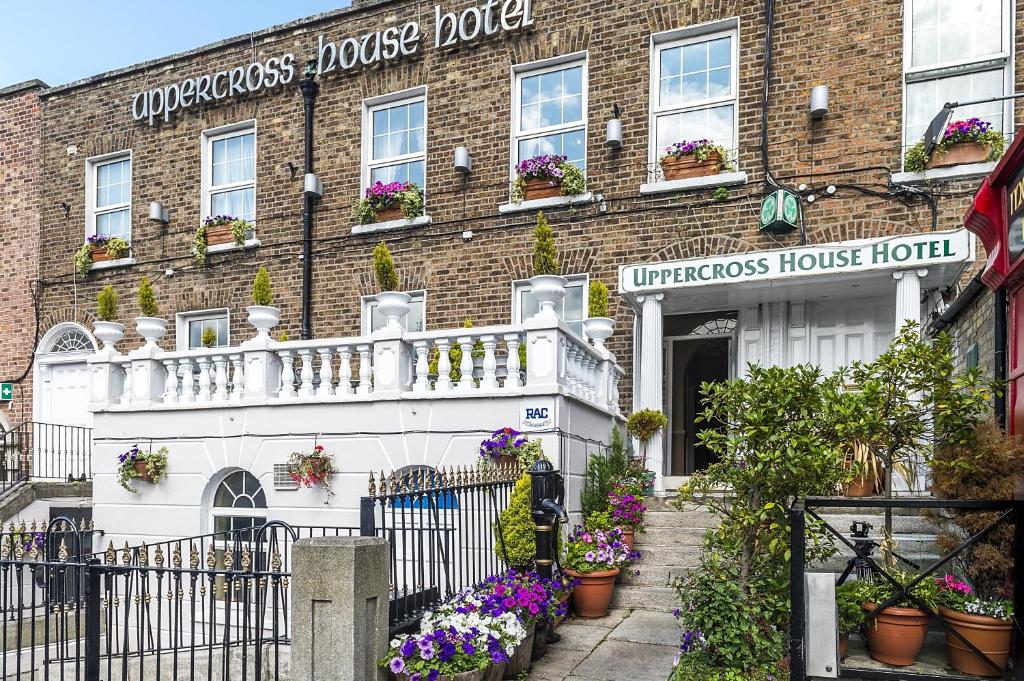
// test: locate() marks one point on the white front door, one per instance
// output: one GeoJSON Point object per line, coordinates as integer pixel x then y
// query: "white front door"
{"type": "Point", "coordinates": [64, 394]}
{"type": "Point", "coordinates": [850, 330]}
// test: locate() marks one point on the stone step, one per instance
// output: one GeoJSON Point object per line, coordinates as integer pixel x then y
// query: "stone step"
{"type": "Point", "coordinates": [904, 524]}
{"type": "Point", "coordinates": [838, 563]}
{"type": "Point", "coordinates": [660, 598]}
{"type": "Point", "coordinates": [670, 536]}
{"type": "Point", "coordinates": [672, 556]}
{"type": "Point", "coordinates": [699, 519]}
{"type": "Point", "coordinates": [654, 575]}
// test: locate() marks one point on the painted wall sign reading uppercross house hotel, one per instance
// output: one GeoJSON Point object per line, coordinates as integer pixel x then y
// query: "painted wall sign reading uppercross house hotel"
{"type": "Point", "coordinates": [389, 44]}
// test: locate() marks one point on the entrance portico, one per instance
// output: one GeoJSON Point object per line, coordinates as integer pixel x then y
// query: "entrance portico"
{"type": "Point", "coordinates": [830, 304]}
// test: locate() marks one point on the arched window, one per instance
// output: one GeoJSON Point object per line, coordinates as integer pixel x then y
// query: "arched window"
{"type": "Point", "coordinates": [65, 339]}
{"type": "Point", "coordinates": [409, 478]}
{"type": "Point", "coordinates": [239, 503]}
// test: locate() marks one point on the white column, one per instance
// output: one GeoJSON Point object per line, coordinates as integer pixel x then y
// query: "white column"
{"type": "Point", "coordinates": [908, 297]}
{"type": "Point", "coordinates": [652, 375]}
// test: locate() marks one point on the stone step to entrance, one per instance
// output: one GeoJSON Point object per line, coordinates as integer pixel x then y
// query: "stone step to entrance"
{"type": "Point", "coordinates": [672, 556]}
{"type": "Point", "coordinates": [659, 598]}
{"type": "Point", "coordinates": [656, 575]}
{"type": "Point", "coordinates": [902, 524]}
{"type": "Point", "coordinates": [670, 536]}
{"type": "Point", "coordinates": [695, 519]}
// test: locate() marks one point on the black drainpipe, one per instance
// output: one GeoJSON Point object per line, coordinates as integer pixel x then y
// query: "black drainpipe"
{"type": "Point", "coordinates": [999, 370]}
{"type": "Point", "coordinates": [309, 89]}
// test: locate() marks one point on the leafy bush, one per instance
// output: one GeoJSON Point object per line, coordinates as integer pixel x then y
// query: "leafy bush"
{"type": "Point", "coordinates": [545, 257]}
{"type": "Point", "coordinates": [155, 464]}
{"type": "Point", "coordinates": [849, 599]}
{"type": "Point", "coordinates": [597, 299]}
{"type": "Point", "coordinates": [515, 533]}
{"type": "Point", "coordinates": [209, 337]}
{"type": "Point", "coordinates": [147, 299]}
{"type": "Point", "coordinates": [384, 268]}
{"type": "Point", "coordinates": [603, 469]}
{"type": "Point", "coordinates": [106, 304]}
{"type": "Point", "coordinates": [643, 424]}
{"type": "Point", "coordinates": [262, 294]}
{"type": "Point", "coordinates": [926, 591]}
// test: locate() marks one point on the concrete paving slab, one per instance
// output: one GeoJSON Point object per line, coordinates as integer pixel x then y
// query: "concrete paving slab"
{"type": "Point", "coordinates": [609, 621]}
{"type": "Point", "coordinates": [656, 628]}
{"type": "Point", "coordinates": [558, 663]}
{"type": "Point", "coordinates": [579, 636]}
{"type": "Point", "coordinates": [616, 660]}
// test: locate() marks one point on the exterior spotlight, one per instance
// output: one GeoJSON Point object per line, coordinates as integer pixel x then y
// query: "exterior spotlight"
{"type": "Point", "coordinates": [613, 132]}
{"type": "Point", "coordinates": [463, 161]}
{"type": "Point", "coordinates": [157, 213]}
{"type": "Point", "coordinates": [313, 185]}
{"type": "Point", "coordinates": [937, 128]}
{"type": "Point", "coordinates": [831, 189]}
{"type": "Point", "coordinates": [819, 102]}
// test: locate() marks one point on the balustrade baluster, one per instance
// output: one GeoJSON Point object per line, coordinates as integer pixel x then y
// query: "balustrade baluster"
{"type": "Point", "coordinates": [126, 394]}
{"type": "Point", "coordinates": [513, 380]}
{"type": "Point", "coordinates": [466, 366]}
{"type": "Point", "coordinates": [345, 371]}
{"type": "Point", "coordinates": [306, 372]}
{"type": "Point", "coordinates": [422, 383]}
{"type": "Point", "coordinates": [326, 387]}
{"type": "Point", "coordinates": [365, 369]}
{"type": "Point", "coordinates": [489, 381]}
{"type": "Point", "coordinates": [220, 374]}
{"type": "Point", "coordinates": [287, 374]}
{"type": "Point", "coordinates": [171, 381]}
{"type": "Point", "coordinates": [444, 366]}
{"type": "Point", "coordinates": [237, 377]}
{"type": "Point", "coordinates": [187, 381]}
{"type": "Point", "coordinates": [204, 379]}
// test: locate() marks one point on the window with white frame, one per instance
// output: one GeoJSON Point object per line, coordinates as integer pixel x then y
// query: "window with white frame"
{"type": "Point", "coordinates": [109, 192]}
{"type": "Point", "coordinates": [395, 133]}
{"type": "Point", "coordinates": [191, 326]}
{"type": "Point", "coordinates": [693, 88]}
{"type": "Point", "coordinates": [239, 504]}
{"type": "Point", "coordinates": [574, 305]}
{"type": "Point", "coordinates": [955, 50]}
{"type": "Point", "coordinates": [550, 112]}
{"type": "Point", "coordinates": [416, 320]}
{"type": "Point", "coordinates": [229, 172]}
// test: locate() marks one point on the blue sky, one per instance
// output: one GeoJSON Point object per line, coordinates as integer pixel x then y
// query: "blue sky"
{"type": "Point", "coordinates": [59, 41]}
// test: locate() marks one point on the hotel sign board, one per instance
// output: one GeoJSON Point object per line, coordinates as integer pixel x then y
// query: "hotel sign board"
{"type": "Point", "coordinates": [864, 255]}
{"type": "Point", "coordinates": [1015, 216]}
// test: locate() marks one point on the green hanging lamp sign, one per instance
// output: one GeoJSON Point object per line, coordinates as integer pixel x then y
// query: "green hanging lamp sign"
{"type": "Point", "coordinates": [780, 211]}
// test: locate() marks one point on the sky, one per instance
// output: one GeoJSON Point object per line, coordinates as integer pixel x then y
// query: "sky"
{"type": "Point", "coordinates": [58, 41]}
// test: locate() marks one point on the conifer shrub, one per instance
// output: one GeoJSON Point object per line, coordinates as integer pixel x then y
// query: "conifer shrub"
{"type": "Point", "coordinates": [545, 257]}
{"type": "Point", "coordinates": [147, 299]}
{"type": "Point", "coordinates": [262, 293]}
{"type": "Point", "coordinates": [597, 300]}
{"type": "Point", "coordinates": [515, 534]}
{"type": "Point", "coordinates": [384, 268]}
{"type": "Point", "coordinates": [106, 304]}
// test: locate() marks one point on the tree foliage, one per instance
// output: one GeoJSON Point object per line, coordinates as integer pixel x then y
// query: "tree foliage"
{"type": "Point", "coordinates": [147, 299]}
{"type": "Point", "coordinates": [262, 294]}
{"type": "Point", "coordinates": [597, 300]}
{"type": "Point", "coordinates": [106, 304]}
{"type": "Point", "coordinates": [545, 257]}
{"type": "Point", "coordinates": [603, 469]}
{"type": "Point", "coordinates": [384, 268]}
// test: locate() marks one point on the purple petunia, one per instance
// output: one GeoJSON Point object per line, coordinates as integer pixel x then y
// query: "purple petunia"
{"type": "Point", "coordinates": [397, 665]}
{"type": "Point", "coordinates": [545, 167]}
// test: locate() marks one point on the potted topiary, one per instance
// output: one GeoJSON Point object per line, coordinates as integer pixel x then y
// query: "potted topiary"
{"type": "Point", "coordinates": [598, 326]}
{"type": "Point", "coordinates": [594, 554]}
{"type": "Point", "coordinates": [106, 329]}
{"type": "Point", "coordinates": [136, 464]}
{"type": "Point", "coordinates": [219, 229]}
{"type": "Point", "coordinates": [699, 158]}
{"type": "Point", "coordinates": [262, 315]}
{"type": "Point", "coordinates": [516, 531]}
{"type": "Point", "coordinates": [896, 634]}
{"type": "Point", "coordinates": [546, 176]}
{"type": "Point", "coordinates": [850, 613]}
{"type": "Point", "coordinates": [391, 201]}
{"type": "Point", "coordinates": [546, 286]}
{"type": "Point", "coordinates": [391, 302]}
{"type": "Point", "coordinates": [149, 326]}
{"type": "Point", "coordinates": [968, 141]}
{"type": "Point", "coordinates": [97, 248]}
{"type": "Point", "coordinates": [208, 339]}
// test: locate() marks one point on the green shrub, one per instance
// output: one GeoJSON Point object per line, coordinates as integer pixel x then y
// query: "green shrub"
{"type": "Point", "coordinates": [515, 533]}
{"type": "Point", "coordinates": [454, 356]}
{"type": "Point", "coordinates": [643, 424]}
{"type": "Point", "coordinates": [106, 304]}
{"type": "Point", "coordinates": [849, 599]}
{"type": "Point", "coordinates": [147, 299]}
{"type": "Point", "coordinates": [384, 268]}
{"type": "Point", "coordinates": [209, 337]}
{"type": "Point", "coordinates": [545, 257]}
{"type": "Point", "coordinates": [603, 469]}
{"type": "Point", "coordinates": [262, 294]}
{"type": "Point", "coordinates": [598, 299]}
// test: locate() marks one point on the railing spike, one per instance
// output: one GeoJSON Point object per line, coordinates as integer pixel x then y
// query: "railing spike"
{"type": "Point", "coordinates": [34, 526]}
{"type": "Point", "coordinates": [158, 558]}
{"type": "Point", "coordinates": [81, 525]}
{"type": "Point", "coordinates": [193, 558]}
{"type": "Point", "coordinates": [176, 556]}
{"type": "Point", "coordinates": [246, 558]}
{"type": "Point", "coordinates": [19, 551]}
{"type": "Point", "coordinates": [229, 561]}
{"type": "Point", "coordinates": [5, 550]}
{"type": "Point", "coordinates": [110, 556]}
{"type": "Point", "coordinates": [92, 525]}
{"type": "Point", "coordinates": [126, 554]}
{"type": "Point", "coordinates": [275, 560]}
{"type": "Point", "coordinates": [144, 555]}
{"type": "Point", "coordinates": [23, 528]}
{"type": "Point", "coordinates": [372, 486]}
{"type": "Point", "coordinates": [392, 484]}
{"type": "Point", "coordinates": [211, 558]}
{"type": "Point", "coordinates": [62, 552]}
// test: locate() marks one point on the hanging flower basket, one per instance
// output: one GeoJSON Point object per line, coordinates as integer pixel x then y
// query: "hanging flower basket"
{"type": "Point", "coordinates": [699, 158]}
{"type": "Point", "coordinates": [136, 464]}
{"type": "Point", "coordinates": [313, 470]}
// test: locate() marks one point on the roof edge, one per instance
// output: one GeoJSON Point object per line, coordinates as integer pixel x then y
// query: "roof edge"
{"type": "Point", "coordinates": [34, 84]}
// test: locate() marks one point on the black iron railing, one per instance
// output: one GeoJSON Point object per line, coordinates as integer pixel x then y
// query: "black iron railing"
{"type": "Point", "coordinates": [816, 508]}
{"type": "Point", "coordinates": [44, 451]}
{"type": "Point", "coordinates": [442, 531]}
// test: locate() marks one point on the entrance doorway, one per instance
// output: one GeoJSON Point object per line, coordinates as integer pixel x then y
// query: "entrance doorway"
{"type": "Point", "coordinates": [62, 376]}
{"type": "Point", "coordinates": [702, 353]}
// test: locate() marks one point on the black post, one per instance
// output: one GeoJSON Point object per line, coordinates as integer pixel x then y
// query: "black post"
{"type": "Point", "coordinates": [999, 369]}
{"type": "Point", "coordinates": [367, 507]}
{"type": "Point", "coordinates": [545, 494]}
{"type": "Point", "coordinates": [92, 620]}
{"type": "Point", "coordinates": [1018, 587]}
{"type": "Point", "coordinates": [309, 89]}
{"type": "Point", "coordinates": [796, 590]}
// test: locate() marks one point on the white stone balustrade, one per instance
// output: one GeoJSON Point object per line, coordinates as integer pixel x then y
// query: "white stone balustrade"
{"type": "Point", "coordinates": [449, 363]}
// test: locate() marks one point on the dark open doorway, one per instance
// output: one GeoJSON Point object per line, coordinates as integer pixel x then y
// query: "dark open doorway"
{"type": "Point", "coordinates": [694, 361]}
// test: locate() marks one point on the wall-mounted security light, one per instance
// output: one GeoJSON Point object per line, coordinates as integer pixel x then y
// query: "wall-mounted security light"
{"type": "Point", "coordinates": [819, 102]}
{"type": "Point", "coordinates": [157, 212]}
{"type": "Point", "coordinates": [72, 150]}
{"type": "Point", "coordinates": [313, 185]}
{"type": "Point", "coordinates": [613, 131]}
{"type": "Point", "coordinates": [463, 161]}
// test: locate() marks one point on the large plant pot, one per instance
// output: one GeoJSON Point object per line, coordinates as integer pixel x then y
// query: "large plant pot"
{"type": "Point", "coordinates": [628, 536]}
{"type": "Point", "coordinates": [537, 188]}
{"type": "Point", "coordinates": [960, 154]}
{"type": "Point", "coordinates": [593, 593]}
{"type": "Point", "coordinates": [598, 329]}
{"type": "Point", "coordinates": [394, 305]}
{"type": "Point", "coordinates": [896, 635]}
{"type": "Point", "coordinates": [98, 253]}
{"type": "Point", "coordinates": [520, 661]}
{"type": "Point", "coordinates": [140, 468]}
{"type": "Point", "coordinates": [151, 328]}
{"type": "Point", "coordinates": [863, 486]}
{"type": "Point", "coordinates": [988, 634]}
{"type": "Point", "coordinates": [844, 644]}
{"type": "Point", "coordinates": [478, 675]}
{"type": "Point", "coordinates": [219, 234]}
{"type": "Point", "coordinates": [263, 318]}
{"type": "Point", "coordinates": [685, 167]}
{"type": "Point", "coordinates": [392, 211]}
{"type": "Point", "coordinates": [108, 332]}
{"type": "Point", "coordinates": [549, 292]}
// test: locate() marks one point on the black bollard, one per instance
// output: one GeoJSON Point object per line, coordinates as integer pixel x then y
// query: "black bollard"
{"type": "Point", "coordinates": [547, 489]}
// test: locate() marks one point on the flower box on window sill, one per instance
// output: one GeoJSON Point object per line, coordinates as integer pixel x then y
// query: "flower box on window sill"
{"type": "Point", "coordinates": [553, 202]}
{"type": "Point", "coordinates": [959, 172]}
{"type": "Point", "coordinates": [728, 179]}
{"type": "Point", "coordinates": [252, 242]}
{"type": "Point", "coordinates": [111, 264]}
{"type": "Point", "coordinates": [391, 225]}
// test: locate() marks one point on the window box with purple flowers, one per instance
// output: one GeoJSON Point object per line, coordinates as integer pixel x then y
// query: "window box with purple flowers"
{"type": "Point", "coordinates": [699, 158]}
{"type": "Point", "coordinates": [99, 248]}
{"type": "Point", "coordinates": [386, 202]}
{"type": "Point", "coordinates": [965, 142]}
{"type": "Point", "coordinates": [546, 177]}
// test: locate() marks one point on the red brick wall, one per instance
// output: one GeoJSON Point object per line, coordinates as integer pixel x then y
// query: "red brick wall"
{"type": "Point", "coordinates": [20, 129]}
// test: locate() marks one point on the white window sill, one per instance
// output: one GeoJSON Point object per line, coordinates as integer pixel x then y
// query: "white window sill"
{"type": "Point", "coordinates": [964, 171]}
{"type": "Point", "coordinates": [232, 246]}
{"type": "Point", "coordinates": [391, 225]}
{"type": "Point", "coordinates": [111, 264]}
{"type": "Point", "coordinates": [553, 202]}
{"type": "Point", "coordinates": [720, 180]}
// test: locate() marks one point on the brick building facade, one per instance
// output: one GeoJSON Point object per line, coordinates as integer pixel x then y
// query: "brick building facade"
{"type": "Point", "coordinates": [846, 167]}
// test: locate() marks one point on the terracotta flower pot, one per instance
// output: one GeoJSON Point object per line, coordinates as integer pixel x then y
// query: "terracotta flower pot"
{"type": "Point", "coordinates": [219, 234]}
{"type": "Point", "coordinates": [959, 154]}
{"type": "Point", "coordinates": [863, 486]}
{"type": "Point", "coordinates": [684, 167]}
{"type": "Point", "coordinates": [392, 211]}
{"type": "Point", "coordinates": [988, 634]}
{"type": "Point", "coordinates": [98, 253]}
{"type": "Point", "coordinates": [478, 675]}
{"type": "Point", "coordinates": [537, 188]}
{"type": "Point", "coordinates": [520, 661]}
{"type": "Point", "coordinates": [140, 468]}
{"type": "Point", "coordinates": [628, 536]}
{"type": "Point", "coordinates": [504, 460]}
{"type": "Point", "coordinates": [594, 592]}
{"type": "Point", "coordinates": [896, 635]}
{"type": "Point", "coordinates": [844, 643]}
